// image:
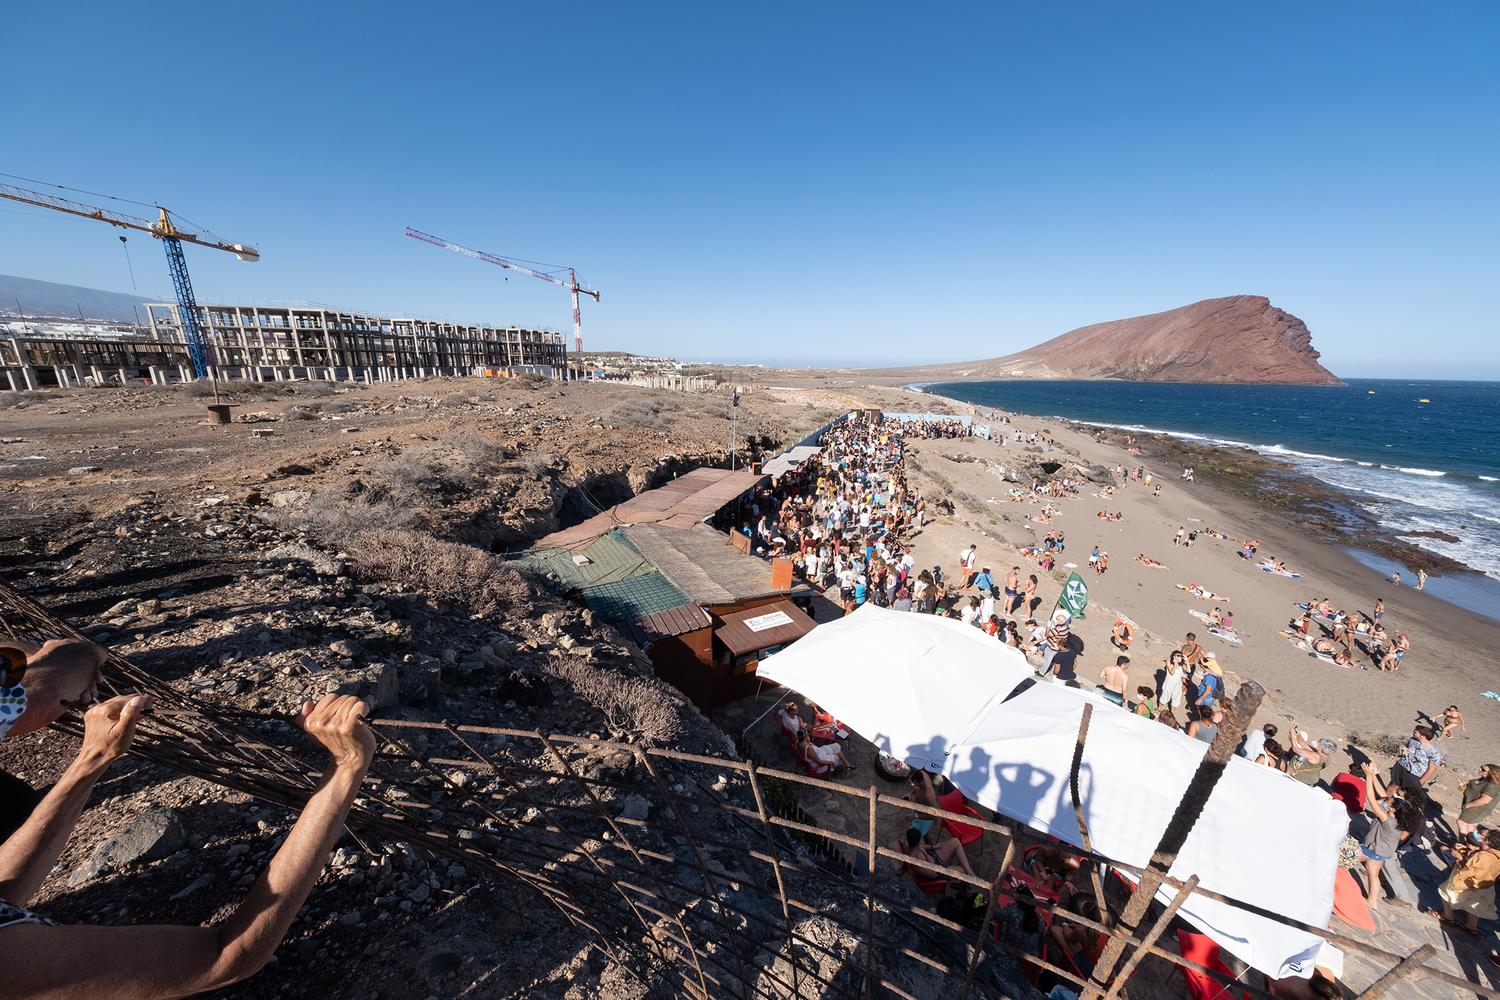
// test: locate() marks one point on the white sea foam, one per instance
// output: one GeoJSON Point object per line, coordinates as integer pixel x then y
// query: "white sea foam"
{"type": "Point", "coordinates": [1414, 472]}
{"type": "Point", "coordinates": [1403, 499]}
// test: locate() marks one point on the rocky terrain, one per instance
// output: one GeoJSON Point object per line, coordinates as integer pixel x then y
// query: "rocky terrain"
{"type": "Point", "coordinates": [353, 541]}
{"type": "Point", "coordinates": [1240, 338]}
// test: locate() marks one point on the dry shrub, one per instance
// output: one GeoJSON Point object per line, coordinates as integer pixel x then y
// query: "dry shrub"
{"type": "Point", "coordinates": [308, 412]}
{"type": "Point", "coordinates": [634, 705]}
{"type": "Point", "coordinates": [447, 571]}
{"type": "Point", "coordinates": [313, 389]}
{"type": "Point", "coordinates": [476, 451]}
{"type": "Point", "coordinates": [647, 414]}
{"type": "Point", "coordinates": [1383, 743]}
{"type": "Point", "coordinates": [199, 388]}
{"type": "Point", "coordinates": [334, 515]}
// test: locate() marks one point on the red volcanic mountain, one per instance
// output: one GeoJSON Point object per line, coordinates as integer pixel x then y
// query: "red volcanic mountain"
{"type": "Point", "coordinates": [1241, 338]}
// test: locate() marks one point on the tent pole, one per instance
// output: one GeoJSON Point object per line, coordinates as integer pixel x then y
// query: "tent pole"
{"type": "Point", "coordinates": [1241, 711]}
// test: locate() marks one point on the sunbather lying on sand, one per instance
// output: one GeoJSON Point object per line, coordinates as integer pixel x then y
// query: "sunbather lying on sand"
{"type": "Point", "coordinates": [1147, 561]}
{"type": "Point", "coordinates": [1202, 593]}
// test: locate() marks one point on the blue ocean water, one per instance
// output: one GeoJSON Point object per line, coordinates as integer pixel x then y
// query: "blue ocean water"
{"type": "Point", "coordinates": [1416, 455]}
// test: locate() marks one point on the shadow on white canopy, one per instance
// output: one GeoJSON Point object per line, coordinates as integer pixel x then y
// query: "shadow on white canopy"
{"type": "Point", "coordinates": [941, 695]}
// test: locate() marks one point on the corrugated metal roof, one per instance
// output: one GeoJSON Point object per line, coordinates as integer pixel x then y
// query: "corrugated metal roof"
{"type": "Point", "coordinates": [673, 621]}
{"type": "Point", "coordinates": [702, 563]}
{"type": "Point", "coordinates": [633, 599]}
{"type": "Point", "coordinates": [789, 459]}
{"type": "Point", "coordinates": [682, 503]}
{"type": "Point", "coordinates": [611, 558]}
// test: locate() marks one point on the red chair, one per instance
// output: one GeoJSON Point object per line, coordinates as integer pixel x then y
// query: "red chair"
{"type": "Point", "coordinates": [965, 832]}
{"type": "Point", "coordinates": [932, 885]}
{"type": "Point", "coordinates": [1204, 950]}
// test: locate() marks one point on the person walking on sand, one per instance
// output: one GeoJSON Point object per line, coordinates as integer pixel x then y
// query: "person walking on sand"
{"type": "Point", "coordinates": [1029, 597]}
{"type": "Point", "coordinates": [1421, 578]}
{"type": "Point", "coordinates": [967, 559]}
{"type": "Point", "coordinates": [1453, 720]}
{"type": "Point", "coordinates": [1102, 565]}
{"type": "Point", "coordinates": [1115, 681]}
{"type": "Point", "coordinates": [1191, 651]}
{"type": "Point", "coordinates": [1174, 683]}
{"type": "Point", "coordinates": [1012, 587]}
{"type": "Point", "coordinates": [1057, 640]}
{"type": "Point", "coordinates": [1379, 611]}
{"type": "Point", "coordinates": [1209, 690]}
{"type": "Point", "coordinates": [1178, 538]}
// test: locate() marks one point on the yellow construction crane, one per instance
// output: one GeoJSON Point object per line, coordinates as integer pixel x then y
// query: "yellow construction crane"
{"type": "Point", "coordinates": [172, 239]}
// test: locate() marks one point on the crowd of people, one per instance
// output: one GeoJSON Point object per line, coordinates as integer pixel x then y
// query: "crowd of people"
{"type": "Point", "coordinates": [869, 559]}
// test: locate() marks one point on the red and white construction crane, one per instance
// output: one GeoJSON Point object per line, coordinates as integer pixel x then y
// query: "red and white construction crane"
{"type": "Point", "coordinates": [571, 284]}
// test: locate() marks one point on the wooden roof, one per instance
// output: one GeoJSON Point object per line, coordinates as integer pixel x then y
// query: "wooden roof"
{"type": "Point", "coordinates": [702, 563]}
{"type": "Point", "coordinates": [662, 624]}
{"type": "Point", "coordinates": [763, 627]}
{"type": "Point", "coordinates": [685, 501]}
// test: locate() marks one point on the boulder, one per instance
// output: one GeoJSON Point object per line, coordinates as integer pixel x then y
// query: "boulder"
{"type": "Point", "coordinates": [377, 682]}
{"type": "Point", "coordinates": [154, 834]}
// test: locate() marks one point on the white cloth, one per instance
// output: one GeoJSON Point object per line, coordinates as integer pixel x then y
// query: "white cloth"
{"type": "Point", "coordinates": [1255, 742]}
{"type": "Point", "coordinates": [1133, 773]}
{"type": "Point", "coordinates": [932, 691]}
{"type": "Point", "coordinates": [908, 683]}
{"type": "Point", "coordinates": [828, 753]}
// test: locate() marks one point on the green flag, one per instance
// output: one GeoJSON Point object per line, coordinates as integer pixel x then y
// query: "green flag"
{"type": "Point", "coordinates": [1075, 595]}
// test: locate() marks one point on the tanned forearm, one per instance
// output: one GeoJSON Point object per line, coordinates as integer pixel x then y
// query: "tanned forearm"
{"type": "Point", "coordinates": [250, 935]}
{"type": "Point", "coordinates": [29, 854]}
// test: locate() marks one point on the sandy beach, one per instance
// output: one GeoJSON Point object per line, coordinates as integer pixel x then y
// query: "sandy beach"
{"type": "Point", "coordinates": [1447, 664]}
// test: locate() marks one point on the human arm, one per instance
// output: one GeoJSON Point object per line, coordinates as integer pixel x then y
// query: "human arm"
{"type": "Point", "coordinates": [29, 854]}
{"type": "Point", "coordinates": [60, 674]}
{"type": "Point", "coordinates": [1305, 748]}
{"type": "Point", "coordinates": [143, 962]}
{"type": "Point", "coordinates": [1378, 792]}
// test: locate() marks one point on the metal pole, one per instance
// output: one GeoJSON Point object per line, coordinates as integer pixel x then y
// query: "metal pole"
{"type": "Point", "coordinates": [734, 411]}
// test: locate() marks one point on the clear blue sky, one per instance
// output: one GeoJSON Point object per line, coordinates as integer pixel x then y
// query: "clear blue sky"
{"type": "Point", "coordinates": [873, 183]}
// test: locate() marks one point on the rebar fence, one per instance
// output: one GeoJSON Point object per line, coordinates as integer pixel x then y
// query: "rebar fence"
{"type": "Point", "coordinates": [699, 876]}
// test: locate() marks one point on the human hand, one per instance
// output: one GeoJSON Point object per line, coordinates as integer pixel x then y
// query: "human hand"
{"type": "Point", "coordinates": [336, 723]}
{"type": "Point", "coordinates": [109, 726]}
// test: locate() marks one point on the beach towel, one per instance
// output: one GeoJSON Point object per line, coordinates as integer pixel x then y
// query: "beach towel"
{"type": "Point", "coordinates": [1349, 903]}
{"type": "Point", "coordinates": [1268, 568]}
{"type": "Point", "coordinates": [1302, 644]}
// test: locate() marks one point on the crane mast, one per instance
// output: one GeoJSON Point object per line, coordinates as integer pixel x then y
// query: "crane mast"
{"type": "Point", "coordinates": [172, 239]}
{"type": "Point", "coordinates": [571, 284]}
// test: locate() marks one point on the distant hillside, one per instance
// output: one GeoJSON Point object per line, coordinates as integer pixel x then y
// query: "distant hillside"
{"type": "Point", "coordinates": [1241, 338]}
{"type": "Point", "coordinates": [48, 298]}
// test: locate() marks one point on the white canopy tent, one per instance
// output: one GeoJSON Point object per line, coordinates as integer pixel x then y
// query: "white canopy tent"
{"type": "Point", "coordinates": [910, 684]}
{"type": "Point", "coordinates": [933, 692]}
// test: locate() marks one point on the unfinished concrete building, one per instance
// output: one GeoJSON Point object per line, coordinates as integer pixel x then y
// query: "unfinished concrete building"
{"type": "Point", "coordinates": [275, 343]}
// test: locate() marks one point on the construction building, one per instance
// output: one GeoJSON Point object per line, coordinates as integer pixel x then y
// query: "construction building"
{"type": "Point", "coordinates": [276, 343]}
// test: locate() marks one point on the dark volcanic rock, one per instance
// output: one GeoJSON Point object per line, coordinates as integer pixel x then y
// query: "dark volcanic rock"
{"type": "Point", "coordinates": [154, 834]}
